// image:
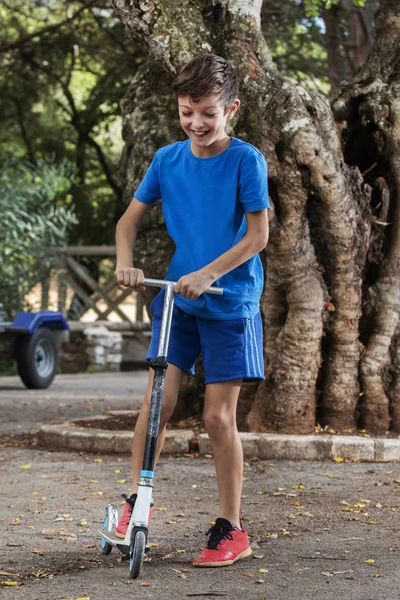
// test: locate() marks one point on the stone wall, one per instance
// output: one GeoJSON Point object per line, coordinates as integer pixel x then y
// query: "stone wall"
{"type": "Point", "coordinates": [100, 347]}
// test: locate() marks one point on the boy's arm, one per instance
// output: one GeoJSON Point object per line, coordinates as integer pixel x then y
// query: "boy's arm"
{"type": "Point", "coordinates": [125, 237]}
{"type": "Point", "coordinates": [194, 284]}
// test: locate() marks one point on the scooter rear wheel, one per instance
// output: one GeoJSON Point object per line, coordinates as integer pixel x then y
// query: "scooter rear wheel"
{"type": "Point", "coordinates": [138, 547]}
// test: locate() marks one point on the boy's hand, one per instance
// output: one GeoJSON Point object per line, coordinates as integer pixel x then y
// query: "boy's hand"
{"type": "Point", "coordinates": [130, 277]}
{"type": "Point", "coordinates": [193, 285]}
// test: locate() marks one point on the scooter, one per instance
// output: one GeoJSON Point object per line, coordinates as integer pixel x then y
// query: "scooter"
{"type": "Point", "coordinates": [134, 543]}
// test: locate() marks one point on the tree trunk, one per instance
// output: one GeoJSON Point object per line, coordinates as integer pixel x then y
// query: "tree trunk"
{"type": "Point", "coordinates": [323, 222]}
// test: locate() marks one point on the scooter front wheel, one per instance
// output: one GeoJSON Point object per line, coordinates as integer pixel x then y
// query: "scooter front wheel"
{"type": "Point", "coordinates": [106, 547]}
{"type": "Point", "coordinates": [138, 547]}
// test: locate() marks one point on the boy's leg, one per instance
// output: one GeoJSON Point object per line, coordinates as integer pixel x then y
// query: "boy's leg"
{"type": "Point", "coordinates": [227, 541]}
{"type": "Point", "coordinates": [220, 420]}
{"type": "Point", "coordinates": [173, 380]}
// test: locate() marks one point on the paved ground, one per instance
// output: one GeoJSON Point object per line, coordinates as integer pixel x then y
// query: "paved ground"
{"type": "Point", "coordinates": [313, 524]}
{"type": "Point", "coordinates": [69, 397]}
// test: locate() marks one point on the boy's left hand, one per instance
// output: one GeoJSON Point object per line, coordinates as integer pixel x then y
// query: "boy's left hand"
{"type": "Point", "coordinates": [193, 285]}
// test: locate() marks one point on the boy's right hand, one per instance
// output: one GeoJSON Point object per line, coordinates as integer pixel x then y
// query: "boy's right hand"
{"type": "Point", "coordinates": [130, 277]}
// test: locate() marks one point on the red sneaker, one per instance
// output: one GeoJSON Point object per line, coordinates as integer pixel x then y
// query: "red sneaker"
{"type": "Point", "coordinates": [225, 545]}
{"type": "Point", "coordinates": [122, 527]}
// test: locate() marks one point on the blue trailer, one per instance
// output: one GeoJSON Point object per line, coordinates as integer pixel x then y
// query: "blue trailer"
{"type": "Point", "coordinates": [33, 340]}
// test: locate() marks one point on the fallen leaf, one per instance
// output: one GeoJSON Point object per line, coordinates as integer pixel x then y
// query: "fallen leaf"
{"type": "Point", "coordinates": [10, 583]}
{"type": "Point", "coordinates": [93, 480]}
{"type": "Point", "coordinates": [338, 459]}
{"type": "Point", "coordinates": [247, 574]}
{"type": "Point", "coordinates": [40, 552]}
{"type": "Point", "coordinates": [260, 581]}
{"type": "Point", "coordinates": [180, 551]}
{"type": "Point", "coordinates": [42, 574]}
{"type": "Point", "coordinates": [98, 460]}
{"type": "Point", "coordinates": [121, 480]}
{"type": "Point", "coordinates": [262, 570]}
{"type": "Point", "coordinates": [152, 545]}
{"type": "Point", "coordinates": [54, 531]}
{"type": "Point", "coordinates": [83, 523]}
{"type": "Point", "coordinates": [258, 555]}
{"type": "Point", "coordinates": [144, 584]}
{"type": "Point", "coordinates": [117, 471]}
{"type": "Point", "coordinates": [25, 467]}
{"type": "Point", "coordinates": [369, 561]}
{"type": "Point", "coordinates": [90, 546]}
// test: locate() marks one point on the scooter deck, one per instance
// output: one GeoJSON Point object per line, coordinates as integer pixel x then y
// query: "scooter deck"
{"type": "Point", "coordinates": [115, 541]}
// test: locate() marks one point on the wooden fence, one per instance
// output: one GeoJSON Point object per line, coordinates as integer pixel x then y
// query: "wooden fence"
{"type": "Point", "coordinates": [91, 293]}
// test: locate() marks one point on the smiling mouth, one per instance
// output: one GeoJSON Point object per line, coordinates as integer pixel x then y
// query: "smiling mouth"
{"type": "Point", "coordinates": [199, 134]}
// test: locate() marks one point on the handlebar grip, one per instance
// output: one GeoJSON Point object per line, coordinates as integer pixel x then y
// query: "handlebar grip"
{"type": "Point", "coordinates": [164, 284]}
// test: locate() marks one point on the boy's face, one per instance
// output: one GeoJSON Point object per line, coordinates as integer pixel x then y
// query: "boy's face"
{"type": "Point", "coordinates": [204, 121]}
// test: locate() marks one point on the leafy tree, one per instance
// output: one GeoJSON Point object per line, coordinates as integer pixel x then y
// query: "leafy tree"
{"type": "Point", "coordinates": [35, 217]}
{"type": "Point", "coordinates": [65, 66]}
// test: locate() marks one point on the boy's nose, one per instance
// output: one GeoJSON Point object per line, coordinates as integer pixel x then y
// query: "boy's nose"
{"type": "Point", "coordinates": [197, 123]}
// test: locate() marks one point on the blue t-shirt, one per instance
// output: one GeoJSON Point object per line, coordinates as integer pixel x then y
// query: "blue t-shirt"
{"type": "Point", "coordinates": [204, 201]}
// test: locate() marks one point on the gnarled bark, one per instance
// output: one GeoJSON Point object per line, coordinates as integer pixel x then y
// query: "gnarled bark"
{"type": "Point", "coordinates": [372, 102]}
{"type": "Point", "coordinates": [317, 259]}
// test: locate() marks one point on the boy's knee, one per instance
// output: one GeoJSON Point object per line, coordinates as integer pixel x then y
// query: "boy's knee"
{"type": "Point", "coordinates": [217, 422]}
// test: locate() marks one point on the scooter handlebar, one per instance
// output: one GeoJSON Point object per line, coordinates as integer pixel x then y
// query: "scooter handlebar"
{"type": "Point", "coordinates": [164, 284]}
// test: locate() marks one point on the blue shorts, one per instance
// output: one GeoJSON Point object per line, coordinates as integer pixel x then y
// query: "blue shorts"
{"type": "Point", "coordinates": [231, 348]}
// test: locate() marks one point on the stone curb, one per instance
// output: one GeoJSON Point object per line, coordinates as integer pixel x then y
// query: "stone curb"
{"type": "Point", "coordinates": [269, 446]}
{"type": "Point", "coordinates": [68, 437]}
{"type": "Point", "coordinates": [266, 446]}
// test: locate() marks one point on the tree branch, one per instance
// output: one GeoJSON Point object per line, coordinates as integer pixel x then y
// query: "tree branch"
{"type": "Point", "coordinates": [50, 28]}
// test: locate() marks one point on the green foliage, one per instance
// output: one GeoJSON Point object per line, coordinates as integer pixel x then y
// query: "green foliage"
{"type": "Point", "coordinates": [295, 31]}
{"type": "Point", "coordinates": [313, 7]}
{"type": "Point", "coordinates": [64, 67]}
{"type": "Point", "coordinates": [34, 222]}
{"type": "Point", "coordinates": [296, 43]}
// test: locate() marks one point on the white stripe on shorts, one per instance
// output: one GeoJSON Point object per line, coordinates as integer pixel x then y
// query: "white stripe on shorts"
{"type": "Point", "coordinates": [251, 354]}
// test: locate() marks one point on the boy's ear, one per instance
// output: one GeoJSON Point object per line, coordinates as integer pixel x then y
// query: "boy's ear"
{"type": "Point", "coordinates": [233, 109]}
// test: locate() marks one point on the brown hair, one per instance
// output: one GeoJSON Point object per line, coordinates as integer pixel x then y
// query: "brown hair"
{"type": "Point", "coordinates": [207, 74]}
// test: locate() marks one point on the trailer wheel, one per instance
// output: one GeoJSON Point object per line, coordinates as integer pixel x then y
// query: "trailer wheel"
{"type": "Point", "coordinates": [37, 359]}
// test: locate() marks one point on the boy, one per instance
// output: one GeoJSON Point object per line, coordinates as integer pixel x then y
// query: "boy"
{"type": "Point", "coordinates": [213, 190]}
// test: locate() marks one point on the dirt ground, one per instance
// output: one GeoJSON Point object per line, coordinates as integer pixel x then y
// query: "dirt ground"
{"type": "Point", "coordinates": [319, 529]}
{"type": "Point", "coordinates": [313, 526]}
